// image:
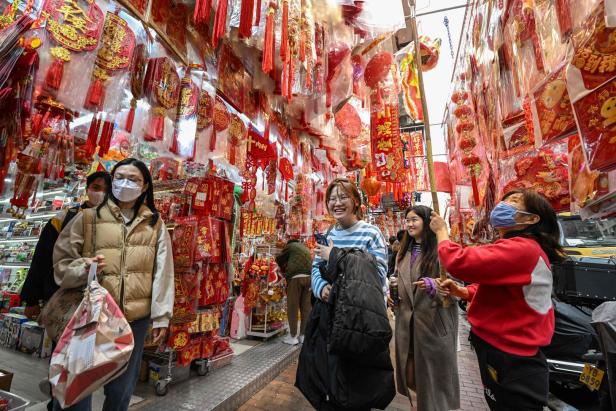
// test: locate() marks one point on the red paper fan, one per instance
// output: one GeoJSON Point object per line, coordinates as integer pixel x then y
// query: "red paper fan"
{"type": "Point", "coordinates": [378, 68]}
{"type": "Point", "coordinates": [348, 121]}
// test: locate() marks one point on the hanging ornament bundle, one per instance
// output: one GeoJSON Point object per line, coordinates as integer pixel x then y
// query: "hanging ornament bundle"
{"type": "Point", "coordinates": [162, 85]}
{"type": "Point", "coordinates": [114, 55]}
{"type": "Point", "coordinates": [75, 26]}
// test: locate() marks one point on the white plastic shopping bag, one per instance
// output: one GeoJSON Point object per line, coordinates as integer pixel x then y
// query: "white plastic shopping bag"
{"type": "Point", "coordinates": [94, 348]}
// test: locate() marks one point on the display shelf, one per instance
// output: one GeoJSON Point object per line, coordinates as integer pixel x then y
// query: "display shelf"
{"type": "Point", "coordinates": [14, 265]}
{"type": "Point", "coordinates": [30, 239]}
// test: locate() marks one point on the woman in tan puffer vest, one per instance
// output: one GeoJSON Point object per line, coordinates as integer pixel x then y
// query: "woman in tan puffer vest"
{"type": "Point", "coordinates": [132, 247]}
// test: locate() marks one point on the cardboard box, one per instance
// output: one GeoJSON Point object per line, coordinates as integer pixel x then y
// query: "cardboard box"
{"type": "Point", "coordinates": [6, 378]}
{"type": "Point", "coordinates": [31, 338]}
{"type": "Point", "coordinates": [12, 329]}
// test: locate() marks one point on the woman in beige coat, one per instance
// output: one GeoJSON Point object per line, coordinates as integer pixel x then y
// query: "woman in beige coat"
{"type": "Point", "coordinates": [131, 246]}
{"type": "Point", "coordinates": [426, 332]}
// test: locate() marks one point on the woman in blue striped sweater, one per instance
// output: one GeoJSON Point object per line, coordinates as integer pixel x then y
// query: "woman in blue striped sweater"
{"type": "Point", "coordinates": [344, 203]}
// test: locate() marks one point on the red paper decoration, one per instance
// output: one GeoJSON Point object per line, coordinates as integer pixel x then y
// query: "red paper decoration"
{"type": "Point", "coordinates": [378, 68]}
{"type": "Point", "coordinates": [75, 25]}
{"type": "Point", "coordinates": [348, 122]}
{"type": "Point", "coordinates": [115, 54]}
{"type": "Point", "coordinates": [163, 84]}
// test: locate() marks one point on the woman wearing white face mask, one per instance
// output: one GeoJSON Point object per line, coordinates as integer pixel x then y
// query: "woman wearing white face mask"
{"type": "Point", "coordinates": [132, 247]}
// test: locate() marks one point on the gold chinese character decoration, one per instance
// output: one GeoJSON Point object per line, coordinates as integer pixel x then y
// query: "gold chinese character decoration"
{"type": "Point", "coordinates": [74, 25]}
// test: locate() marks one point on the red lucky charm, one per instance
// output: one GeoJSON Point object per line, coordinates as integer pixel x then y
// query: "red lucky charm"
{"type": "Point", "coordinates": [596, 118]}
{"type": "Point", "coordinates": [137, 74]}
{"type": "Point", "coordinates": [348, 122]}
{"type": "Point", "coordinates": [269, 43]}
{"type": "Point", "coordinates": [187, 110]}
{"type": "Point", "coordinates": [286, 170]}
{"type": "Point", "coordinates": [29, 171]}
{"type": "Point", "coordinates": [115, 54]}
{"type": "Point", "coordinates": [473, 163]}
{"type": "Point", "coordinates": [552, 115]}
{"type": "Point", "coordinates": [237, 131]}
{"type": "Point", "coordinates": [221, 119]}
{"type": "Point", "coordinates": [594, 46]}
{"type": "Point", "coordinates": [459, 97]}
{"type": "Point", "coordinates": [371, 186]}
{"type": "Point", "coordinates": [204, 113]}
{"type": "Point", "coordinates": [386, 144]}
{"type": "Point", "coordinates": [378, 68]}
{"type": "Point", "coordinates": [163, 84]}
{"type": "Point", "coordinates": [430, 50]}
{"type": "Point", "coordinates": [463, 111]}
{"type": "Point", "coordinates": [75, 25]}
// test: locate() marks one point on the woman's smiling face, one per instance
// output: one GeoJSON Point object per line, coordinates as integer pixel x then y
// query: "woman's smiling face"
{"type": "Point", "coordinates": [341, 205]}
{"type": "Point", "coordinates": [414, 225]}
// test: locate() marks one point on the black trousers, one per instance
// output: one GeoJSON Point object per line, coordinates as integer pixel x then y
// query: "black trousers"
{"type": "Point", "coordinates": [512, 382]}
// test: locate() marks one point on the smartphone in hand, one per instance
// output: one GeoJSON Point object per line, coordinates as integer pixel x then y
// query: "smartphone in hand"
{"type": "Point", "coordinates": [320, 239]}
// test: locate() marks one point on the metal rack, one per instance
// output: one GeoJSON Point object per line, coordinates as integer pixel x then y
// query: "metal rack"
{"type": "Point", "coordinates": [271, 251]}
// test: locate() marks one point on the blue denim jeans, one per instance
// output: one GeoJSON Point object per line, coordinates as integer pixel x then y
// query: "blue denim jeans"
{"type": "Point", "coordinates": [119, 391]}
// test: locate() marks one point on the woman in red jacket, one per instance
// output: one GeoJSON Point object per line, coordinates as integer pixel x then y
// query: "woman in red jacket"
{"type": "Point", "coordinates": [510, 309]}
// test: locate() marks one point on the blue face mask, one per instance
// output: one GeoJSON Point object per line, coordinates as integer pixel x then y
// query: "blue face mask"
{"type": "Point", "coordinates": [503, 215]}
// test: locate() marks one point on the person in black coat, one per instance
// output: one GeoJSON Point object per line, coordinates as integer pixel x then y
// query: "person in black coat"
{"type": "Point", "coordinates": [40, 284]}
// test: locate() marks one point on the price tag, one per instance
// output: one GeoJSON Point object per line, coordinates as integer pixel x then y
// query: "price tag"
{"type": "Point", "coordinates": [592, 377]}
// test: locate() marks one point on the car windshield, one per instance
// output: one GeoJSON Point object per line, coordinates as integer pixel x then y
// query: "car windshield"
{"type": "Point", "coordinates": [589, 233]}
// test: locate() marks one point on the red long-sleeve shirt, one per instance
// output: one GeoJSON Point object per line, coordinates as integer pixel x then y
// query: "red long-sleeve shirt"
{"type": "Point", "coordinates": [511, 306]}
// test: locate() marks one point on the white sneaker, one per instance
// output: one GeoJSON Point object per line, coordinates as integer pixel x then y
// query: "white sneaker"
{"type": "Point", "coordinates": [289, 339]}
{"type": "Point", "coordinates": [301, 339]}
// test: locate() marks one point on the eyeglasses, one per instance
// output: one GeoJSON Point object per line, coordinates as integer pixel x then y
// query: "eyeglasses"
{"type": "Point", "coordinates": [342, 199]}
{"type": "Point", "coordinates": [132, 179]}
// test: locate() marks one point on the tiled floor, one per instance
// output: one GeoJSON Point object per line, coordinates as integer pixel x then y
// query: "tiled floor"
{"type": "Point", "coordinates": [229, 387]}
{"type": "Point", "coordinates": [261, 377]}
{"type": "Point", "coordinates": [281, 395]}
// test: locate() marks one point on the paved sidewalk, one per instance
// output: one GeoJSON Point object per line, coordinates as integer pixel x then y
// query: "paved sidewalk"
{"type": "Point", "coordinates": [281, 394]}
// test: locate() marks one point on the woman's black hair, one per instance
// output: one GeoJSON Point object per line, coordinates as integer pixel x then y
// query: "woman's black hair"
{"type": "Point", "coordinates": [547, 231]}
{"type": "Point", "coordinates": [428, 244]}
{"type": "Point", "coordinates": [147, 197]}
{"type": "Point", "coordinates": [96, 175]}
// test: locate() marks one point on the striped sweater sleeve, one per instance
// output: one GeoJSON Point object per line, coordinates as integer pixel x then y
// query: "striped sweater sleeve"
{"type": "Point", "coordinates": [376, 247]}
{"type": "Point", "coordinates": [317, 281]}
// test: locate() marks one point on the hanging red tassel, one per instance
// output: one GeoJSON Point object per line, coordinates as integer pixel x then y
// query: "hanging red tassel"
{"type": "Point", "coordinates": [156, 128]}
{"type": "Point", "coordinates": [258, 16]}
{"type": "Point", "coordinates": [269, 44]}
{"type": "Point", "coordinates": [175, 146]}
{"type": "Point", "coordinates": [90, 146]}
{"type": "Point", "coordinates": [96, 95]}
{"type": "Point", "coordinates": [246, 12]}
{"type": "Point", "coordinates": [232, 154]}
{"type": "Point", "coordinates": [106, 135]}
{"type": "Point", "coordinates": [266, 131]}
{"type": "Point", "coordinates": [308, 75]}
{"type": "Point", "coordinates": [203, 9]}
{"type": "Point", "coordinates": [53, 79]}
{"type": "Point", "coordinates": [220, 22]}
{"type": "Point", "coordinates": [284, 39]}
{"type": "Point", "coordinates": [475, 189]}
{"type": "Point", "coordinates": [286, 191]}
{"type": "Point", "coordinates": [290, 78]}
{"type": "Point", "coordinates": [213, 139]}
{"type": "Point", "coordinates": [130, 118]}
